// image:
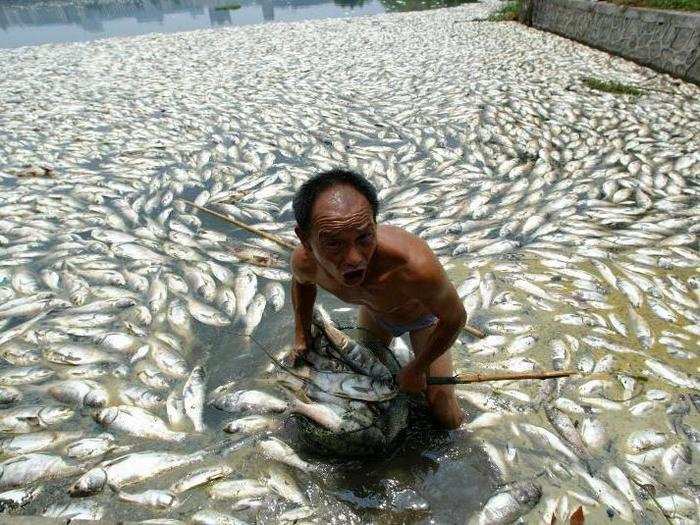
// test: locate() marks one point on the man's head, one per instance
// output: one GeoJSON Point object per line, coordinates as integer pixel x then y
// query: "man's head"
{"type": "Point", "coordinates": [336, 214]}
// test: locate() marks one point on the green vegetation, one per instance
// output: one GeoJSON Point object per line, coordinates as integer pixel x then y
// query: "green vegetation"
{"type": "Point", "coordinates": [679, 5]}
{"type": "Point", "coordinates": [610, 86]}
{"type": "Point", "coordinates": [227, 7]}
{"type": "Point", "coordinates": [507, 12]}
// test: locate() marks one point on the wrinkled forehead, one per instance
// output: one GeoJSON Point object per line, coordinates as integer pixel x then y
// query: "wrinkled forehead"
{"type": "Point", "coordinates": [341, 208]}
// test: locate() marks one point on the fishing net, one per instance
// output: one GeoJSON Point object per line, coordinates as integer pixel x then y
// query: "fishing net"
{"type": "Point", "coordinates": [375, 436]}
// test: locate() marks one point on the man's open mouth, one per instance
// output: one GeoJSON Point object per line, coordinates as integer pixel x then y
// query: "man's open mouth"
{"type": "Point", "coordinates": [353, 276]}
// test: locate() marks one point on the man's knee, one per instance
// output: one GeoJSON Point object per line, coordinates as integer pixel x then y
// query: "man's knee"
{"type": "Point", "coordinates": [444, 407]}
{"type": "Point", "coordinates": [438, 395]}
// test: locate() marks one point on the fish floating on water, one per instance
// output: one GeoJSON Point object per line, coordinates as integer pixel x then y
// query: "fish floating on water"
{"type": "Point", "coordinates": [566, 217]}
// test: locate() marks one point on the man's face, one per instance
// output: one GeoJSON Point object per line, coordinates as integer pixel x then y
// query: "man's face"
{"type": "Point", "coordinates": [343, 234]}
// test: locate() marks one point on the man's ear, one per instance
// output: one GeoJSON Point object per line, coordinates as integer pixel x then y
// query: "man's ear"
{"type": "Point", "coordinates": [302, 237]}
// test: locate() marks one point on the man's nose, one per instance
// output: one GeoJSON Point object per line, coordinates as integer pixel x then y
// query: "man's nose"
{"type": "Point", "coordinates": [353, 257]}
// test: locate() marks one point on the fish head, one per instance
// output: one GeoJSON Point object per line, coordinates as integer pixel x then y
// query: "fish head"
{"type": "Point", "coordinates": [198, 373]}
{"type": "Point", "coordinates": [527, 493]}
{"type": "Point", "coordinates": [91, 482]}
{"type": "Point", "coordinates": [106, 436]}
{"type": "Point", "coordinates": [120, 370]}
{"type": "Point", "coordinates": [107, 415]}
{"type": "Point", "coordinates": [96, 398]}
{"type": "Point", "coordinates": [124, 302]}
{"type": "Point", "coordinates": [168, 499]}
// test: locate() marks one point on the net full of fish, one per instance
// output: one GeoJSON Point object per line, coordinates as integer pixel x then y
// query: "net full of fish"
{"type": "Point", "coordinates": [344, 395]}
{"type": "Point", "coordinates": [566, 217]}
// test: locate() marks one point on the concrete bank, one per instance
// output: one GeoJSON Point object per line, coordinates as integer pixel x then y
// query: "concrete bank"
{"type": "Point", "coordinates": [667, 41]}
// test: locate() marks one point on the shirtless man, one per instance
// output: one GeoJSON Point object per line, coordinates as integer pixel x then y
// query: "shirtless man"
{"type": "Point", "coordinates": [391, 274]}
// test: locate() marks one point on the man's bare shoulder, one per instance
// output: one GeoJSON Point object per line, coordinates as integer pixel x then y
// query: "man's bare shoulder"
{"type": "Point", "coordinates": [303, 265]}
{"type": "Point", "coordinates": [417, 262]}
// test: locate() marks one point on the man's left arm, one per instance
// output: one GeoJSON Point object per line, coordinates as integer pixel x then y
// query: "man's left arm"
{"type": "Point", "coordinates": [439, 296]}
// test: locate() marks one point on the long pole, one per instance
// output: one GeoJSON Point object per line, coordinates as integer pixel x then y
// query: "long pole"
{"type": "Point", "coordinates": [265, 235]}
{"type": "Point", "coordinates": [478, 377]}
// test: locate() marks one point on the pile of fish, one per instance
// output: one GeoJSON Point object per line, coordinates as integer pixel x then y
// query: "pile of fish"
{"type": "Point", "coordinates": [344, 394]}
{"type": "Point", "coordinates": [567, 218]}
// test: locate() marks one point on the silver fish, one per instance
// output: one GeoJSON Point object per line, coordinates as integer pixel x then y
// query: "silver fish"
{"type": "Point", "coordinates": [237, 489]}
{"type": "Point", "coordinates": [252, 425]}
{"type": "Point", "coordinates": [214, 517]}
{"type": "Point", "coordinates": [76, 510]}
{"type": "Point", "coordinates": [138, 422]}
{"type": "Point", "coordinates": [510, 503]}
{"type": "Point", "coordinates": [246, 400]}
{"type": "Point", "coordinates": [281, 480]}
{"type": "Point", "coordinates": [244, 287]}
{"type": "Point", "coordinates": [80, 392]}
{"type": "Point", "coordinates": [17, 498]}
{"type": "Point", "coordinates": [193, 394]}
{"type": "Point", "coordinates": [130, 468]}
{"type": "Point", "coordinates": [254, 313]}
{"type": "Point", "coordinates": [200, 477]}
{"type": "Point", "coordinates": [277, 450]}
{"type": "Point", "coordinates": [93, 447]}
{"type": "Point", "coordinates": [36, 441]}
{"type": "Point", "coordinates": [30, 468]}
{"type": "Point", "coordinates": [160, 499]}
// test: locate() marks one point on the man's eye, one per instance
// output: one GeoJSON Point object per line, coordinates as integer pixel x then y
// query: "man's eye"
{"type": "Point", "coordinates": [332, 244]}
{"type": "Point", "coordinates": [364, 239]}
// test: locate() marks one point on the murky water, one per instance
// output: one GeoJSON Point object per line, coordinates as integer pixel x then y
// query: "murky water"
{"type": "Point", "coordinates": [32, 22]}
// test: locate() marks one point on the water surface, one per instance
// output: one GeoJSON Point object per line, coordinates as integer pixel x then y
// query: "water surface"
{"type": "Point", "coordinates": [32, 22]}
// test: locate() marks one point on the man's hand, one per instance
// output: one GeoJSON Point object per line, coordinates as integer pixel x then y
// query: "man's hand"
{"type": "Point", "coordinates": [301, 346]}
{"type": "Point", "coordinates": [411, 379]}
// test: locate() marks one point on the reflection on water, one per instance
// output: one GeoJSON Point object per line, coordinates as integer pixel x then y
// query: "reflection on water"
{"type": "Point", "coordinates": [31, 22]}
{"type": "Point", "coordinates": [421, 5]}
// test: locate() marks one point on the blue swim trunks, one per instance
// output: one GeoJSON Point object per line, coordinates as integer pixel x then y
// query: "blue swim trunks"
{"type": "Point", "coordinates": [397, 330]}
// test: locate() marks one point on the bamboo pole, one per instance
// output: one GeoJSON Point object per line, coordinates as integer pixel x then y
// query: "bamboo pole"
{"type": "Point", "coordinates": [473, 330]}
{"type": "Point", "coordinates": [265, 235]}
{"type": "Point", "coordinates": [476, 332]}
{"type": "Point", "coordinates": [478, 377]}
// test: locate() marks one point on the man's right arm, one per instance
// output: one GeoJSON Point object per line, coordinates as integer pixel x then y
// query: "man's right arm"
{"type": "Point", "coordinates": [303, 299]}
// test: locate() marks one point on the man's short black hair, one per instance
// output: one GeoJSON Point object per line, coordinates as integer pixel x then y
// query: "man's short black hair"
{"type": "Point", "coordinates": [310, 190]}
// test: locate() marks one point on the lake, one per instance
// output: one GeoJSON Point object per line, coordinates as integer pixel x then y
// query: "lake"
{"type": "Point", "coordinates": [32, 22]}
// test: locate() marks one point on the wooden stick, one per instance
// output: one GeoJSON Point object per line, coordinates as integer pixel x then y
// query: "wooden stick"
{"type": "Point", "coordinates": [460, 379]}
{"type": "Point", "coordinates": [476, 332]}
{"type": "Point", "coordinates": [473, 330]}
{"type": "Point", "coordinates": [269, 236]}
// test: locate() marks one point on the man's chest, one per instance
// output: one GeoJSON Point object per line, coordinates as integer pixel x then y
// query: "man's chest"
{"type": "Point", "coordinates": [379, 297]}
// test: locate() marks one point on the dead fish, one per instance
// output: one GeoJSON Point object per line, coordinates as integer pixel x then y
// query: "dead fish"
{"type": "Point", "coordinates": [138, 422]}
{"type": "Point", "coordinates": [193, 394]}
{"type": "Point", "coordinates": [30, 468]}
{"type": "Point", "coordinates": [509, 503]}
{"type": "Point", "coordinates": [159, 499]}
{"type": "Point", "coordinates": [130, 468]}
{"type": "Point", "coordinates": [252, 425]}
{"type": "Point", "coordinates": [278, 450]}
{"type": "Point", "coordinates": [237, 489]}
{"type": "Point", "coordinates": [200, 477]}
{"type": "Point", "coordinates": [246, 400]}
